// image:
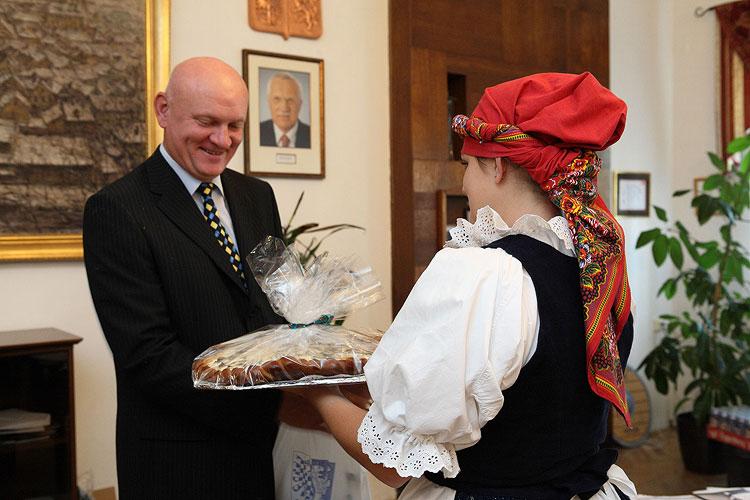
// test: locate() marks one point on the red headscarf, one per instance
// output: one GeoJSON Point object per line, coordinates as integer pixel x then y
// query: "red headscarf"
{"type": "Point", "coordinates": [551, 124]}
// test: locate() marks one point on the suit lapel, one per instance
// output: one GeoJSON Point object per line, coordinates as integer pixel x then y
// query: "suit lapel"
{"type": "Point", "coordinates": [180, 208]}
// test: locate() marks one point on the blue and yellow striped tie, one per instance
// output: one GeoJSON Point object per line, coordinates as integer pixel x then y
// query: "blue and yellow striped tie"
{"type": "Point", "coordinates": [225, 241]}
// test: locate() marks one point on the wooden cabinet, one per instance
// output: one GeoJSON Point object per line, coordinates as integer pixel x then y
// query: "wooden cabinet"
{"type": "Point", "coordinates": [36, 375]}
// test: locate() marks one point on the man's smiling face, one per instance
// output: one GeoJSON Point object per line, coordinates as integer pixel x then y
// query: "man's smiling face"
{"type": "Point", "coordinates": [203, 122]}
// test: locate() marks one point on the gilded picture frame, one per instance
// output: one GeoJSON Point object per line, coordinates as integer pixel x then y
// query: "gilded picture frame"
{"type": "Point", "coordinates": [24, 247]}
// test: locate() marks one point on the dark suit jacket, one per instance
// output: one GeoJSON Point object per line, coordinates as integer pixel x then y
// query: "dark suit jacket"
{"type": "Point", "coordinates": [268, 138]}
{"type": "Point", "coordinates": [164, 292]}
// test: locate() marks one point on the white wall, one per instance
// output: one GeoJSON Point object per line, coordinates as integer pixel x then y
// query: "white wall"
{"type": "Point", "coordinates": [662, 65]}
{"type": "Point", "coordinates": [356, 190]}
{"type": "Point", "coordinates": [354, 50]}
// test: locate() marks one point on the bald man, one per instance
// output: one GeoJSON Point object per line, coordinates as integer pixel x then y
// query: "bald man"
{"type": "Point", "coordinates": [166, 285]}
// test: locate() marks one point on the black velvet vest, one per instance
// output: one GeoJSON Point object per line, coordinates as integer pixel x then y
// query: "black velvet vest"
{"type": "Point", "coordinates": [545, 441]}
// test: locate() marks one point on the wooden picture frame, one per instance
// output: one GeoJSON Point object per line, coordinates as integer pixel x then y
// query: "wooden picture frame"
{"type": "Point", "coordinates": [698, 185]}
{"type": "Point", "coordinates": [271, 80]}
{"type": "Point", "coordinates": [632, 194]}
{"type": "Point", "coordinates": [65, 243]}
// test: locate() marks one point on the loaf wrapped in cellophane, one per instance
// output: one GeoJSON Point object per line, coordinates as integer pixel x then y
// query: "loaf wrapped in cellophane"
{"type": "Point", "coordinates": [312, 348]}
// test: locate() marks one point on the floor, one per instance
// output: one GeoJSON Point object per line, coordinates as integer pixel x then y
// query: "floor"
{"type": "Point", "coordinates": [656, 467]}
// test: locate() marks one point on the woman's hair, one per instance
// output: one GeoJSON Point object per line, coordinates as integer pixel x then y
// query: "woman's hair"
{"type": "Point", "coordinates": [516, 173]}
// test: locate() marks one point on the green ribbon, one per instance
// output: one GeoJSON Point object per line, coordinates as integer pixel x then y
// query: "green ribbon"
{"type": "Point", "coordinates": [326, 319]}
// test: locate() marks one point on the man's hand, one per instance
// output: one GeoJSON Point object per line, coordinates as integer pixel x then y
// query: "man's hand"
{"type": "Point", "coordinates": [357, 394]}
{"type": "Point", "coordinates": [297, 411]}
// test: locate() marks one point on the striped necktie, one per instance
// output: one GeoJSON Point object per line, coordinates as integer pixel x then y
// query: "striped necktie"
{"type": "Point", "coordinates": [225, 241]}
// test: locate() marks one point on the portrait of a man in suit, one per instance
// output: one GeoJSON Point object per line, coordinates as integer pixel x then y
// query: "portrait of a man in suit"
{"type": "Point", "coordinates": [284, 128]}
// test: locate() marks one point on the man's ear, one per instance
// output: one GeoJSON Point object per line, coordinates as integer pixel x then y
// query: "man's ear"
{"type": "Point", "coordinates": [501, 168]}
{"type": "Point", "coordinates": [161, 108]}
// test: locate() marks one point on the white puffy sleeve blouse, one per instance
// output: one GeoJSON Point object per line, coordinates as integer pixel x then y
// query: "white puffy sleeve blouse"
{"type": "Point", "coordinates": [461, 338]}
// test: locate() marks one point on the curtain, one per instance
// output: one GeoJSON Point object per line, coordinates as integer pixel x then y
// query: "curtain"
{"type": "Point", "coordinates": [734, 46]}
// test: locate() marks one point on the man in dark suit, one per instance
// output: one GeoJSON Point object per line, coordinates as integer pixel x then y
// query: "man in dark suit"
{"type": "Point", "coordinates": [284, 102]}
{"type": "Point", "coordinates": [165, 289]}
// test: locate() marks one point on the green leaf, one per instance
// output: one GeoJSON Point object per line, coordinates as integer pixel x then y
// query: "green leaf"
{"type": "Point", "coordinates": [707, 245]}
{"type": "Point", "coordinates": [713, 182]}
{"type": "Point", "coordinates": [669, 288]}
{"type": "Point", "coordinates": [659, 249]}
{"type": "Point", "coordinates": [675, 252]}
{"type": "Point", "coordinates": [308, 251]}
{"type": "Point", "coordinates": [680, 192]}
{"type": "Point", "coordinates": [660, 213]}
{"type": "Point", "coordinates": [661, 384]}
{"type": "Point", "coordinates": [685, 238]}
{"type": "Point", "coordinates": [732, 268]}
{"type": "Point", "coordinates": [709, 259]}
{"type": "Point", "coordinates": [738, 144]}
{"type": "Point", "coordinates": [647, 237]}
{"type": "Point", "coordinates": [292, 234]}
{"type": "Point", "coordinates": [706, 207]}
{"type": "Point", "coordinates": [336, 227]}
{"type": "Point", "coordinates": [294, 212]}
{"type": "Point", "coordinates": [717, 161]}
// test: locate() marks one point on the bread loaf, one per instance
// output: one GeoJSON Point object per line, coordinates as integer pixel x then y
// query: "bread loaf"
{"type": "Point", "coordinates": [221, 371]}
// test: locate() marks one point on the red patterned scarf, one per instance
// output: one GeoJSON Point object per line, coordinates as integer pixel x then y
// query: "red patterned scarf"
{"type": "Point", "coordinates": [567, 175]}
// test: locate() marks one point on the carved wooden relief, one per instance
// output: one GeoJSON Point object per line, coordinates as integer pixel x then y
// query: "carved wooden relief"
{"type": "Point", "coordinates": [302, 18]}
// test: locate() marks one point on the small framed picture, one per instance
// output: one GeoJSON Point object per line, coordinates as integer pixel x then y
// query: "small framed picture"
{"type": "Point", "coordinates": [698, 185]}
{"type": "Point", "coordinates": [284, 131]}
{"type": "Point", "coordinates": [632, 193]}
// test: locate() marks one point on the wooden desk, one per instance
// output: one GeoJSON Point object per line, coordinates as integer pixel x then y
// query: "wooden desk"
{"type": "Point", "coordinates": [36, 375]}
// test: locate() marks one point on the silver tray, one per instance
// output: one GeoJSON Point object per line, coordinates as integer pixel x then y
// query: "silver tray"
{"type": "Point", "coordinates": [310, 380]}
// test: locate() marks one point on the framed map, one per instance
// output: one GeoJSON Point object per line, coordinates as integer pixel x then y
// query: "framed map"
{"type": "Point", "coordinates": [76, 84]}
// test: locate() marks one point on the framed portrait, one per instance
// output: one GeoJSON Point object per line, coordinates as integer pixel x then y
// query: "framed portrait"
{"type": "Point", "coordinates": [77, 83]}
{"type": "Point", "coordinates": [284, 131]}
{"type": "Point", "coordinates": [632, 193]}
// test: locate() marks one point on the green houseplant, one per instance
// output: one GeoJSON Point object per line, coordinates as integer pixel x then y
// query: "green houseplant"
{"type": "Point", "coordinates": [710, 340]}
{"type": "Point", "coordinates": [307, 251]}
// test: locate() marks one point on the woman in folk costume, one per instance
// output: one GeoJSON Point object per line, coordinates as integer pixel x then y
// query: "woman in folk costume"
{"type": "Point", "coordinates": [495, 379]}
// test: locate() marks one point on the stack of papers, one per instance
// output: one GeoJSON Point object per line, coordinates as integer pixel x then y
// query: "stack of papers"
{"type": "Point", "coordinates": [723, 494]}
{"type": "Point", "coordinates": [710, 493]}
{"type": "Point", "coordinates": [15, 421]}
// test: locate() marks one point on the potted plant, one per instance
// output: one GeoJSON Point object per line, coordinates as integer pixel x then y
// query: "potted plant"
{"type": "Point", "coordinates": [710, 340]}
{"type": "Point", "coordinates": [307, 251]}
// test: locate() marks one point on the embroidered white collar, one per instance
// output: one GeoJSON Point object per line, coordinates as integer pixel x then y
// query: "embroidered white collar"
{"type": "Point", "coordinates": [490, 227]}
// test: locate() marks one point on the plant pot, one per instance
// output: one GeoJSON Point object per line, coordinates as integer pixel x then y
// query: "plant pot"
{"type": "Point", "coordinates": [699, 453]}
{"type": "Point", "coordinates": [738, 467]}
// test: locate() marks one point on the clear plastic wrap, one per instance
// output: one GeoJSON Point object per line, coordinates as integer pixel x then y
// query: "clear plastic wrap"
{"type": "Point", "coordinates": [309, 350]}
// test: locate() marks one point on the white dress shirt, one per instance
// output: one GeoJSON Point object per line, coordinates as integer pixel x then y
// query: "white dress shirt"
{"type": "Point", "coordinates": [291, 135]}
{"type": "Point", "coordinates": [192, 184]}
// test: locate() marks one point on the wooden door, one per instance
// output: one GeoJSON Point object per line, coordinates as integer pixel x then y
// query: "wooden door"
{"type": "Point", "coordinates": [443, 54]}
